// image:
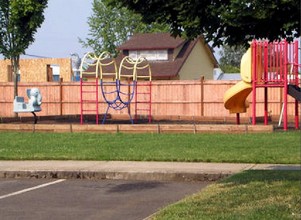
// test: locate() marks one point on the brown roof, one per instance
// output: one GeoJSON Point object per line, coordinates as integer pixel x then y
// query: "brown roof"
{"type": "Point", "coordinates": [154, 41]}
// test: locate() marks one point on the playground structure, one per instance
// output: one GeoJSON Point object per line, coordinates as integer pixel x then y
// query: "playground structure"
{"type": "Point", "coordinates": [33, 105]}
{"type": "Point", "coordinates": [267, 65]}
{"type": "Point", "coordinates": [118, 86]}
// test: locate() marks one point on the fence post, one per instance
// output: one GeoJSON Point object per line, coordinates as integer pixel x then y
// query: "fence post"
{"type": "Point", "coordinates": [202, 95]}
{"type": "Point", "coordinates": [61, 96]}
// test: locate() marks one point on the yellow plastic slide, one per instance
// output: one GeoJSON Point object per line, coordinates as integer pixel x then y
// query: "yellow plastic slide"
{"type": "Point", "coordinates": [235, 97]}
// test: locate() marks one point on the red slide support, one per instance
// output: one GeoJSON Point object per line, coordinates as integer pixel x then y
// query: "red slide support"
{"type": "Point", "coordinates": [275, 64]}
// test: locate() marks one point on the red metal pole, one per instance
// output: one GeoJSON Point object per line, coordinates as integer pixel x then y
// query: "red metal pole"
{"type": "Point", "coordinates": [96, 84]}
{"type": "Point", "coordinates": [254, 78]}
{"type": "Point", "coordinates": [296, 62]}
{"type": "Point", "coordinates": [266, 80]}
{"type": "Point", "coordinates": [296, 75]}
{"type": "Point", "coordinates": [81, 101]}
{"type": "Point", "coordinates": [136, 101]}
{"type": "Point", "coordinates": [265, 61]}
{"type": "Point", "coordinates": [150, 102]}
{"type": "Point", "coordinates": [285, 85]}
{"type": "Point", "coordinates": [275, 64]}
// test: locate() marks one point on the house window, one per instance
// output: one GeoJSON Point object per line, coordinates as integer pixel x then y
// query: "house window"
{"type": "Point", "coordinates": [153, 55]}
{"type": "Point", "coordinates": [53, 73]}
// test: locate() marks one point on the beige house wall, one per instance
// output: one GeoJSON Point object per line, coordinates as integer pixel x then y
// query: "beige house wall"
{"type": "Point", "coordinates": [198, 64]}
{"type": "Point", "coordinates": [35, 70]}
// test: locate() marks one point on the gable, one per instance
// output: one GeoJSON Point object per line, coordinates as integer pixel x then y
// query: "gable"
{"type": "Point", "coordinates": [198, 63]}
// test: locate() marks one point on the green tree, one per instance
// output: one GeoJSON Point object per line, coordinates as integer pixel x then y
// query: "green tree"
{"type": "Point", "coordinates": [229, 22]}
{"type": "Point", "coordinates": [230, 58]}
{"type": "Point", "coordinates": [19, 21]}
{"type": "Point", "coordinates": [111, 26]}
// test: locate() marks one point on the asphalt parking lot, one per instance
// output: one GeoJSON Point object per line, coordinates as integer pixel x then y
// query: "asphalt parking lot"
{"type": "Point", "coordinates": [89, 199]}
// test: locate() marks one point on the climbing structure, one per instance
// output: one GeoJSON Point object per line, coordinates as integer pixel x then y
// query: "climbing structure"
{"type": "Point", "coordinates": [118, 86]}
{"type": "Point", "coordinates": [276, 64]}
{"type": "Point", "coordinates": [267, 65]}
{"type": "Point", "coordinates": [89, 86]}
{"type": "Point", "coordinates": [143, 94]}
{"type": "Point", "coordinates": [119, 93]}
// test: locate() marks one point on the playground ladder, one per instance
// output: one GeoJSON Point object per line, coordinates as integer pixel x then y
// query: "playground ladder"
{"type": "Point", "coordinates": [88, 99]}
{"type": "Point", "coordinates": [143, 99]}
{"type": "Point", "coordinates": [89, 88]}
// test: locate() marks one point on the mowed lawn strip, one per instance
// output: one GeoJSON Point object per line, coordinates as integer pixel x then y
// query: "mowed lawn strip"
{"type": "Point", "coordinates": [247, 195]}
{"type": "Point", "coordinates": [277, 147]}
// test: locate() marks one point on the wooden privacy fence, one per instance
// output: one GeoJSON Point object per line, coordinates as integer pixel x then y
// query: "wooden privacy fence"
{"type": "Point", "coordinates": [170, 99]}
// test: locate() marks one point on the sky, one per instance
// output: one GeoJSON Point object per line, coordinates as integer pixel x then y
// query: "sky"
{"type": "Point", "coordinates": [65, 22]}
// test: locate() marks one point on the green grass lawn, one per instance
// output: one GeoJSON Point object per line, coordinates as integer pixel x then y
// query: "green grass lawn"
{"type": "Point", "coordinates": [248, 195]}
{"type": "Point", "coordinates": [277, 147]}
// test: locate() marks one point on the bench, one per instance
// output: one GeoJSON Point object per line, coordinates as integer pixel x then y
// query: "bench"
{"type": "Point", "coordinates": [33, 105]}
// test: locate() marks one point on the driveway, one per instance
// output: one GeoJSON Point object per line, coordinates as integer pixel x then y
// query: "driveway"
{"type": "Point", "coordinates": [89, 199]}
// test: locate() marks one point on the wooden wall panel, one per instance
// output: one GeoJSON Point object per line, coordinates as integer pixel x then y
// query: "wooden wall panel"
{"type": "Point", "coordinates": [35, 70]}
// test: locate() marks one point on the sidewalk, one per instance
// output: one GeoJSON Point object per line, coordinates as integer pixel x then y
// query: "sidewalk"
{"type": "Point", "coordinates": [129, 170]}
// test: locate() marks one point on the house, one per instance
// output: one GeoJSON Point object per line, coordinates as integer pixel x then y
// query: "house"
{"type": "Point", "coordinates": [172, 58]}
{"type": "Point", "coordinates": [38, 70]}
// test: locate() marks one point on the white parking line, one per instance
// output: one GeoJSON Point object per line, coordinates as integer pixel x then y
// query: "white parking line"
{"type": "Point", "coordinates": [32, 188]}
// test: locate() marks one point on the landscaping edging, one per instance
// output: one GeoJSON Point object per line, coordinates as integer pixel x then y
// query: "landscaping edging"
{"type": "Point", "coordinates": [137, 128]}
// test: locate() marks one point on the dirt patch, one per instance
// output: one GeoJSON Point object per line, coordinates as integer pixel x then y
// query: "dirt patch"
{"type": "Point", "coordinates": [91, 119]}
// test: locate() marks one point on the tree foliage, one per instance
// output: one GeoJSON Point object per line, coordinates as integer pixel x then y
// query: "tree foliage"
{"type": "Point", "coordinates": [19, 21]}
{"type": "Point", "coordinates": [230, 58]}
{"type": "Point", "coordinates": [111, 26]}
{"type": "Point", "coordinates": [229, 22]}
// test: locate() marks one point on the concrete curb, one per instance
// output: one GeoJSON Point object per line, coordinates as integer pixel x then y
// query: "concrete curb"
{"type": "Point", "coordinates": [129, 170]}
{"type": "Point", "coordinates": [155, 176]}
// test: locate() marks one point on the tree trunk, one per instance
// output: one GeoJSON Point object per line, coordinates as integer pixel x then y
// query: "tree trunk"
{"type": "Point", "coordinates": [15, 66]}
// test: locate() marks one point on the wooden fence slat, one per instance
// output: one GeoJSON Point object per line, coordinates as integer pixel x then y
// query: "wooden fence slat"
{"type": "Point", "coordinates": [176, 98]}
